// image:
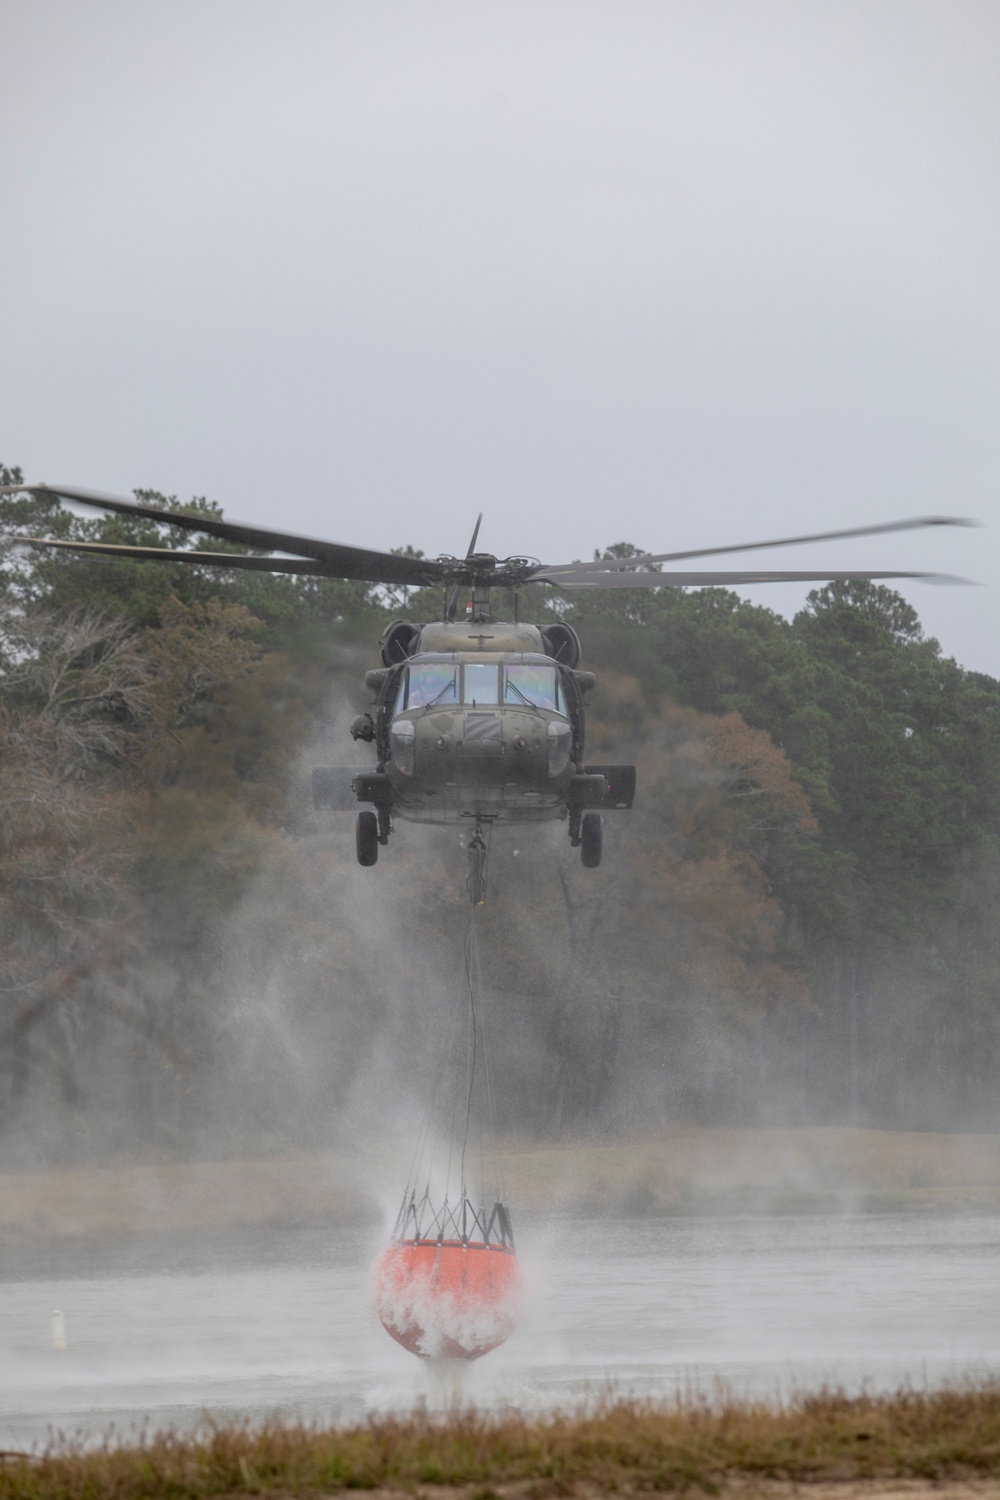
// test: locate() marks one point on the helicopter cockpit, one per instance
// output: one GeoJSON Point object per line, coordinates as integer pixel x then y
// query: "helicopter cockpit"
{"type": "Point", "coordinates": [449, 717]}
{"type": "Point", "coordinates": [448, 682]}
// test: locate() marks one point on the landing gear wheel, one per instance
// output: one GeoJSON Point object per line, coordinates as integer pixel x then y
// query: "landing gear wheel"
{"type": "Point", "coordinates": [591, 840]}
{"type": "Point", "coordinates": [368, 838]}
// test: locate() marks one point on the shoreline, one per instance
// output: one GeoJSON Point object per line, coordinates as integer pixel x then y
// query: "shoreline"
{"type": "Point", "coordinates": [906, 1444]}
{"type": "Point", "coordinates": [684, 1172]}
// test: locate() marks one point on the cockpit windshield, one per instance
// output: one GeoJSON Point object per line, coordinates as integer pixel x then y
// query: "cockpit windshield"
{"type": "Point", "coordinates": [476, 684]}
{"type": "Point", "coordinates": [533, 684]}
{"type": "Point", "coordinates": [431, 683]}
{"type": "Point", "coordinates": [479, 683]}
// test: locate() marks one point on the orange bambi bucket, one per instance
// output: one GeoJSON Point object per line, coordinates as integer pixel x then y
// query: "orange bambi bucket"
{"type": "Point", "coordinates": [445, 1299]}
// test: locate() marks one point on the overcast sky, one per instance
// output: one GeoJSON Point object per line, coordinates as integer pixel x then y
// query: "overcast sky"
{"type": "Point", "coordinates": [676, 273]}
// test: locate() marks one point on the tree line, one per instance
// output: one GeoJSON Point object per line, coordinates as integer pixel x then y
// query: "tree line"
{"type": "Point", "coordinates": [795, 924]}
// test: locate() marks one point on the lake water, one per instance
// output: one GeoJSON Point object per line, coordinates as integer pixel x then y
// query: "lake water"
{"type": "Point", "coordinates": [163, 1332]}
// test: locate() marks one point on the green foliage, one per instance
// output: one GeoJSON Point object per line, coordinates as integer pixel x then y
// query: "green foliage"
{"type": "Point", "coordinates": [898, 750]}
{"type": "Point", "coordinates": [813, 867]}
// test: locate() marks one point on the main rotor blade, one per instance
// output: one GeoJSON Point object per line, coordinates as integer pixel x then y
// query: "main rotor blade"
{"type": "Point", "coordinates": [475, 534]}
{"type": "Point", "coordinates": [452, 605]}
{"type": "Point", "coordinates": [341, 561]}
{"type": "Point", "coordinates": [306, 565]}
{"type": "Point", "coordinates": [619, 563]}
{"type": "Point", "coordinates": [649, 579]}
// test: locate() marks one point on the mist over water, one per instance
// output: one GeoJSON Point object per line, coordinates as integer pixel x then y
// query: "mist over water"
{"type": "Point", "coordinates": [713, 272]}
{"type": "Point", "coordinates": [329, 1016]}
{"type": "Point", "coordinates": [248, 1323]}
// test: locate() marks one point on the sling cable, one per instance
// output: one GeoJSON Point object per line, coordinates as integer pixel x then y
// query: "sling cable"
{"type": "Point", "coordinates": [448, 1285]}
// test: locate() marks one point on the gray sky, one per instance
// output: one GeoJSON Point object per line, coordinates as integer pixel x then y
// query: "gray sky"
{"type": "Point", "coordinates": [676, 273]}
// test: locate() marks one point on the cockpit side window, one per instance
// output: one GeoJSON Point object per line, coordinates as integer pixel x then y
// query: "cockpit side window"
{"type": "Point", "coordinates": [533, 685]}
{"type": "Point", "coordinates": [430, 684]}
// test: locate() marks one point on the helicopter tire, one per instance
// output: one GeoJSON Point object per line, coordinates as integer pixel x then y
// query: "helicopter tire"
{"type": "Point", "coordinates": [367, 838]}
{"type": "Point", "coordinates": [591, 839]}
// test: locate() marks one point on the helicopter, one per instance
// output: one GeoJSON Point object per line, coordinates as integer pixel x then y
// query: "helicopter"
{"type": "Point", "coordinates": [474, 721]}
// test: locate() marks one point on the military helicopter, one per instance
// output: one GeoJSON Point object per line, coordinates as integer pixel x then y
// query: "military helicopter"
{"type": "Point", "coordinates": [475, 721]}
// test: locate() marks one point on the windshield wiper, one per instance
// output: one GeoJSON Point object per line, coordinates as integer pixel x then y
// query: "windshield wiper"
{"type": "Point", "coordinates": [449, 687]}
{"type": "Point", "coordinates": [523, 697]}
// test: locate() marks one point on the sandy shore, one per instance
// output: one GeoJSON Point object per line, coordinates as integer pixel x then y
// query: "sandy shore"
{"type": "Point", "coordinates": [732, 1489]}
{"type": "Point", "coordinates": [687, 1170]}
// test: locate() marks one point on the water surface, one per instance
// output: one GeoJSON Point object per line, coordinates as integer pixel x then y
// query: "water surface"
{"type": "Point", "coordinates": [164, 1331]}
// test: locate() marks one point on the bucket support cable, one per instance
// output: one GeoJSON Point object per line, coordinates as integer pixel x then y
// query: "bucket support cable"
{"type": "Point", "coordinates": [420, 1217]}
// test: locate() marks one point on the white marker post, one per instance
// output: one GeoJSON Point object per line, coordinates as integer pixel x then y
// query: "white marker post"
{"type": "Point", "coordinates": [58, 1330]}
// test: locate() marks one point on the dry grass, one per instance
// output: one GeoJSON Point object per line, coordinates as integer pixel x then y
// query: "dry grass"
{"type": "Point", "coordinates": [682, 1170]}
{"type": "Point", "coordinates": [808, 1169]}
{"type": "Point", "coordinates": [619, 1446]}
{"type": "Point", "coordinates": [155, 1197]}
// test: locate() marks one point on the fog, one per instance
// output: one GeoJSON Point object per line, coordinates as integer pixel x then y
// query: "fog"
{"type": "Point", "coordinates": [241, 1327]}
{"type": "Point", "coordinates": [210, 1245]}
{"type": "Point", "coordinates": [327, 1011]}
{"type": "Point", "coordinates": [680, 274]}
{"type": "Point", "coordinates": [683, 274]}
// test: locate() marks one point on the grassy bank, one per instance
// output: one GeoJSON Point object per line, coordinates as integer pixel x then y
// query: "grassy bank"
{"type": "Point", "coordinates": [699, 1170]}
{"type": "Point", "coordinates": [683, 1170]}
{"type": "Point", "coordinates": [619, 1447]}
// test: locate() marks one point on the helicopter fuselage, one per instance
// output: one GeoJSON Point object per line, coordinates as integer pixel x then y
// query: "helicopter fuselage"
{"type": "Point", "coordinates": [480, 734]}
{"type": "Point", "coordinates": [477, 723]}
